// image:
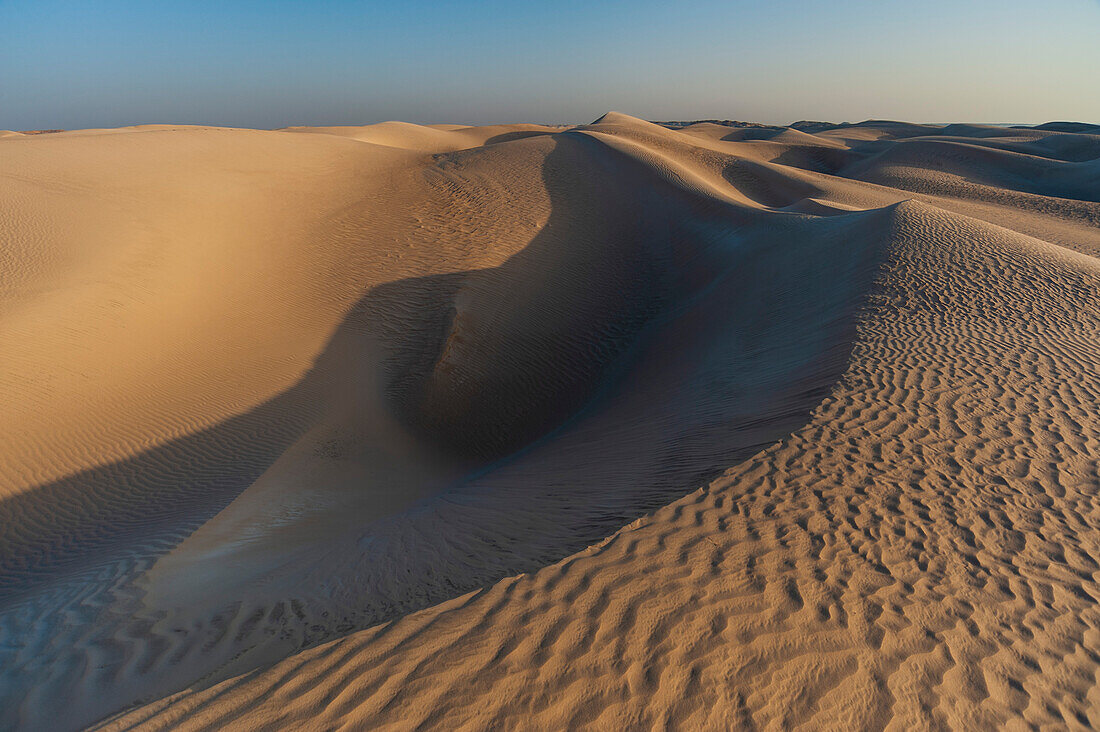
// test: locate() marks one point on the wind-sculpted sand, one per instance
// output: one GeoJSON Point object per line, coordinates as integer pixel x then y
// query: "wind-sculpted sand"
{"type": "Point", "coordinates": [617, 426]}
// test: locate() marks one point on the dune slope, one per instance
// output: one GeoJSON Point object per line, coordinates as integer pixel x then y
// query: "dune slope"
{"type": "Point", "coordinates": [616, 426]}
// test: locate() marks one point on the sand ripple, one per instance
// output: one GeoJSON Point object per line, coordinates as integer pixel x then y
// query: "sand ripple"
{"type": "Point", "coordinates": [617, 426]}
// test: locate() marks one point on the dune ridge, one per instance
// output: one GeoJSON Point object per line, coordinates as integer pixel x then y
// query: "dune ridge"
{"type": "Point", "coordinates": [618, 425]}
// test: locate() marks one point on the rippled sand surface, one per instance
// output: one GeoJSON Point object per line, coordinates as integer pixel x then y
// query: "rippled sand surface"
{"type": "Point", "coordinates": [617, 426]}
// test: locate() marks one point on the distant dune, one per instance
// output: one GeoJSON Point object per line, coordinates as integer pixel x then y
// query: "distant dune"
{"type": "Point", "coordinates": [618, 426]}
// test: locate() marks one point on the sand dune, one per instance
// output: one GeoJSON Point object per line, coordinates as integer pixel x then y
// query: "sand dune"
{"type": "Point", "coordinates": [620, 426]}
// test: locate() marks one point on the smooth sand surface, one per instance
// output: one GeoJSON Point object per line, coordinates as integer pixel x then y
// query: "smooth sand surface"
{"type": "Point", "coordinates": [614, 426]}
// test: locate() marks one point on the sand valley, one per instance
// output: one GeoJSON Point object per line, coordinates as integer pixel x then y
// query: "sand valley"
{"type": "Point", "coordinates": [613, 426]}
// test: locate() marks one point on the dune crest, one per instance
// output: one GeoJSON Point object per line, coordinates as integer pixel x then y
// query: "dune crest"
{"type": "Point", "coordinates": [621, 425]}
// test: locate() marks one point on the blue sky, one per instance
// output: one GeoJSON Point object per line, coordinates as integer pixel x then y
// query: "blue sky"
{"type": "Point", "coordinates": [91, 63]}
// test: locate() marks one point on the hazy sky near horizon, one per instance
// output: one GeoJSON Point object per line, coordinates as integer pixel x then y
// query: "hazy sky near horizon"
{"type": "Point", "coordinates": [79, 64]}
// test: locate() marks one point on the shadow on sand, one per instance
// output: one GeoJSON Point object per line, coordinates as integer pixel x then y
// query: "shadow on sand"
{"type": "Point", "coordinates": [631, 352]}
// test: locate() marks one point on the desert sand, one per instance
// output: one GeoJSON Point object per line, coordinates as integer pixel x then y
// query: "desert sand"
{"type": "Point", "coordinates": [614, 426]}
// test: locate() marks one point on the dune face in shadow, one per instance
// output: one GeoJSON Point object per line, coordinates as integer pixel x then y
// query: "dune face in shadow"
{"type": "Point", "coordinates": [533, 338]}
{"type": "Point", "coordinates": [628, 389]}
{"type": "Point", "coordinates": [526, 344]}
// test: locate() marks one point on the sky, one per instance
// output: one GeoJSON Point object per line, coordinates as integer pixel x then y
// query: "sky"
{"type": "Point", "coordinates": [108, 63]}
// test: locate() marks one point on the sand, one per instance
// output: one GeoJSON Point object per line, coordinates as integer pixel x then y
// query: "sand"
{"type": "Point", "coordinates": [615, 426]}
